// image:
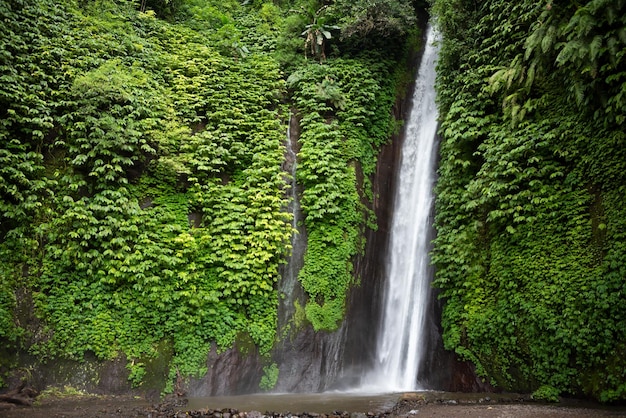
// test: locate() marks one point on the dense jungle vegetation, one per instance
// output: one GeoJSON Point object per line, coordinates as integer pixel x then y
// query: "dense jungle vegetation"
{"type": "Point", "coordinates": [531, 212]}
{"type": "Point", "coordinates": [143, 193]}
{"type": "Point", "coordinates": [143, 198]}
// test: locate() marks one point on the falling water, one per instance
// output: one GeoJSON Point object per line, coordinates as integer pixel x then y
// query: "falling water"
{"type": "Point", "coordinates": [407, 293]}
{"type": "Point", "coordinates": [289, 283]}
{"type": "Point", "coordinates": [295, 203]}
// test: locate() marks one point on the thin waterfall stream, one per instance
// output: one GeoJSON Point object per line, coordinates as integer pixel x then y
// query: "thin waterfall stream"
{"type": "Point", "coordinates": [400, 348]}
{"type": "Point", "coordinates": [289, 282]}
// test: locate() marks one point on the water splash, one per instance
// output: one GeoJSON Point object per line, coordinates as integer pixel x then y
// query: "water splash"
{"type": "Point", "coordinates": [401, 344]}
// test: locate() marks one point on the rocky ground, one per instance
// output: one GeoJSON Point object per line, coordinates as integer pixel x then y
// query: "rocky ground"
{"type": "Point", "coordinates": [409, 405]}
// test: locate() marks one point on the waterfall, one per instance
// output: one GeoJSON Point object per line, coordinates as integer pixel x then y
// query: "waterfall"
{"type": "Point", "coordinates": [295, 203]}
{"type": "Point", "coordinates": [401, 340]}
{"type": "Point", "coordinates": [289, 286]}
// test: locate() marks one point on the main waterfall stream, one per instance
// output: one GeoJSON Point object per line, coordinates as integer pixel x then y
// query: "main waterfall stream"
{"type": "Point", "coordinates": [400, 349]}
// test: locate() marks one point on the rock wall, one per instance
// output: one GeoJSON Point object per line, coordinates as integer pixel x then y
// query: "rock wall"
{"type": "Point", "coordinates": [234, 371]}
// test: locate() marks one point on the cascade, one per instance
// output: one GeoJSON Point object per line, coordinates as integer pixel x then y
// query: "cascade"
{"type": "Point", "coordinates": [400, 346]}
{"type": "Point", "coordinates": [289, 285]}
{"type": "Point", "coordinates": [308, 360]}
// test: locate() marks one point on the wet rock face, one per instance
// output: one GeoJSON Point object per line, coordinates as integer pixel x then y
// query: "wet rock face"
{"type": "Point", "coordinates": [235, 371]}
{"type": "Point", "coordinates": [90, 375]}
{"type": "Point", "coordinates": [464, 379]}
{"type": "Point", "coordinates": [307, 361]}
{"type": "Point", "coordinates": [299, 363]}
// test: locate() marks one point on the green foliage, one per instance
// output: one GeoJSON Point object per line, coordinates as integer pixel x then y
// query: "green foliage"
{"type": "Point", "coordinates": [317, 32]}
{"type": "Point", "coordinates": [289, 43]}
{"type": "Point", "coordinates": [163, 8]}
{"type": "Point", "coordinates": [66, 391]}
{"type": "Point", "coordinates": [363, 22]}
{"type": "Point", "coordinates": [7, 304]}
{"type": "Point", "coordinates": [529, 242]}
{"type": "Point", "coordinates": [546, 393]}
{"type": "Point", "coordinates": [137, 372]}
{"type": "Point", "coordinates": [142, 191]}
{"type": "Point", "coordinates": [110, 130]}
{"type": "Point", "coordinates": [270, 377]}
{"type": "Point", "coordinates": [344, 109]}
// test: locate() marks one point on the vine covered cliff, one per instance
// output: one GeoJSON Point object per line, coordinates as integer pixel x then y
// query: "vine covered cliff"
{"type": "Point", "coordinates": [144, 197]}
{"type": "Point", "coordinates": [144, 189]}
{"type": "Point", "coordinates": [530, 212]}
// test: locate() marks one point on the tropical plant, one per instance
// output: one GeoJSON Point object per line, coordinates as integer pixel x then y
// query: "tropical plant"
{"type": "Point", "coordinates": [317, 33]}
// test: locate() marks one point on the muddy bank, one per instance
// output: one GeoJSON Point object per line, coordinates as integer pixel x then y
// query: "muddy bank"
{"type": "Point", "coordinates": [429, 404]}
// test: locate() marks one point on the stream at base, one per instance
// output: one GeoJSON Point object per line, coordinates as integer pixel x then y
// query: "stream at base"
{"type": "Point", "coordinates": [321, 403]}
{"type": "Point", "coordinates": [420, 403]}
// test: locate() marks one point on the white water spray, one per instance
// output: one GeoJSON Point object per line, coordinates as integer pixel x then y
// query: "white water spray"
{"type": "Point", "coordinates": [401, 342]}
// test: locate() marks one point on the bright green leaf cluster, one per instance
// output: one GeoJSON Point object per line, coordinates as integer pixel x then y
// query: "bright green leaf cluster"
{"type": "Point", "coordinates": [143, 198]}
